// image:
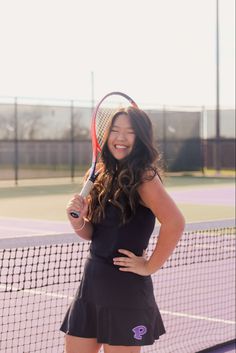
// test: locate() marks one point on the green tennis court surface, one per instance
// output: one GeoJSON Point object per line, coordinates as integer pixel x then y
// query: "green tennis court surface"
{"type": "Point", "coordinates": [47, 199]}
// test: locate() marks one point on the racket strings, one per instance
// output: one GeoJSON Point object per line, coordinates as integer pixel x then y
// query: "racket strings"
{"type": "Point", "coordinates": [105, 112]}
{"type": "Point", "coordinates": [103, 120]}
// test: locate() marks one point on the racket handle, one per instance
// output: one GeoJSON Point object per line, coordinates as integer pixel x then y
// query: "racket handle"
{"type": "Point", "coordinates": [84, 192]}
{"type": "Point", "coordinates": [86, 188]}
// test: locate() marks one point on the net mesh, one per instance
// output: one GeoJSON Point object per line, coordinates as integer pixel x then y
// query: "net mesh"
{"type": "Point", "coordinates": [194, 291]}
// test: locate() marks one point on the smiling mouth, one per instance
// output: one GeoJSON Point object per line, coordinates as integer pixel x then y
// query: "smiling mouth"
{"type": "Point", "coordinates": [120, 147]}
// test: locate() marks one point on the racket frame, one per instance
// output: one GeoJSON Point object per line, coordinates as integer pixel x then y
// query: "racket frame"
{"type": "Point", "coordinates": [96, 148]}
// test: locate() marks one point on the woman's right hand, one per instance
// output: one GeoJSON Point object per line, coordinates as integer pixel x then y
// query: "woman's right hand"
{"type": "Point", "coordinates": [81, 226]}
{"type": "Point", "coordinates": [77, 203]}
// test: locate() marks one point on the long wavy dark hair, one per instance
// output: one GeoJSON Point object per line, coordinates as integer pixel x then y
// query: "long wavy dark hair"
{"type": "Point", "coordinates": [118, 181]}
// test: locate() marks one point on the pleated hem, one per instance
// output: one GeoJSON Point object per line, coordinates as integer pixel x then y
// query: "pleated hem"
{"type": "Point", "coordinates": [113, 326]}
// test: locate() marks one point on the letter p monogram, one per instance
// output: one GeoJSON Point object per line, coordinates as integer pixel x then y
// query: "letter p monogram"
{"type": "Point", "coordinates": [139, 331]}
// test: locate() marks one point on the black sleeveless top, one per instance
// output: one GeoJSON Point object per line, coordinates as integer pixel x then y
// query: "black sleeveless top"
{"type": "Point", "coordinates": [109, 236]}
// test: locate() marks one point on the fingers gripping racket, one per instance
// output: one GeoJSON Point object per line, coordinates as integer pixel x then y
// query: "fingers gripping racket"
{"type": "Point", "coordinates": [101, 118]}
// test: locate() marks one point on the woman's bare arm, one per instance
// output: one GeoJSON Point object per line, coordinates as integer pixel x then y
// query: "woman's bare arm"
{"type": "Point", "coordinates": [154, 196]}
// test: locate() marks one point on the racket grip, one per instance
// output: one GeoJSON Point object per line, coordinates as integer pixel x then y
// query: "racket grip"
{"type": "Point", "coordinates": [84, 192]}
{"type": "Point", "coordinates": [86, 188]}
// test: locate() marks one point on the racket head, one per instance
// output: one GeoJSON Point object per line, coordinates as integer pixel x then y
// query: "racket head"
{"type": "Point", "coordinates": [102, 116]}
{"type": "Point", "coordinates": [101, 119]}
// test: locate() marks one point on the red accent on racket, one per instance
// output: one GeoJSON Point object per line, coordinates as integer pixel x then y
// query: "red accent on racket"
{"type": "Point", "coordinates": [102, 115]}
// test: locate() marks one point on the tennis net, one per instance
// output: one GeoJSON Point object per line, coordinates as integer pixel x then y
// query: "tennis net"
{"type": "Point", "coordinates": [194, 289]}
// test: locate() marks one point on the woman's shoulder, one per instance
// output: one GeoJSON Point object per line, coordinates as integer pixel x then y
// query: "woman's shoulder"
{"type": "Point", "coordinates": [150, 186]}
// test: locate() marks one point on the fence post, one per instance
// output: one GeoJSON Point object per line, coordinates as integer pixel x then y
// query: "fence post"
{"type": "Point", "coordinates": [203, 137]}
{"type": "Point", "coordinates": [16, 154]}
{"type": "Point", "coordinates": [217, 137]}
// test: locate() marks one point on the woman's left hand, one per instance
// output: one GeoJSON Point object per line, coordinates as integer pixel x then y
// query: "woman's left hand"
{"type": "Point", "coordinates": [132, 263]}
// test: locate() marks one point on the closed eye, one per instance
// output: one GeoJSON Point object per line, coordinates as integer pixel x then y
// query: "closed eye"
{"type": "Point", "coordinates": [127, 131]}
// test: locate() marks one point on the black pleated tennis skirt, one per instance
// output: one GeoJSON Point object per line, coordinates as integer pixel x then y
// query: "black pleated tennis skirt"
{"type": "Point", "coordinates": [117, 308]}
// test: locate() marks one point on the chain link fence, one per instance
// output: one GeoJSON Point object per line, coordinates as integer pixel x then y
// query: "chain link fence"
{"type": "Point", "coordinates": [41, 139]}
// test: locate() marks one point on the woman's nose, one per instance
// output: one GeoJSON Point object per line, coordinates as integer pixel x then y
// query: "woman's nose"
{"type": "Point", "coordinates": [120, 137]}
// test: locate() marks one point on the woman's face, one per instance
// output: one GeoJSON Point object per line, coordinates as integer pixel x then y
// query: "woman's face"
{"type": "Point", "coordinates": [121, 138]}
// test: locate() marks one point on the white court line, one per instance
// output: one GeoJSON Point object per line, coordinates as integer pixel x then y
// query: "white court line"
{"type": "Point", "coordinates": [29, 232]}
{"type": "Point", "coordinates": [21, 229]}
{"type": "Point", "coordinates": [172, 313]}
{"type": "Point", "coordinates": [36, 220]}
{"type": "Point", "coordinates": [33, 291]}
{"type": "Point", "coordinates": [205, 318]}
{"type": "Point", "coordinates": [189, 316]}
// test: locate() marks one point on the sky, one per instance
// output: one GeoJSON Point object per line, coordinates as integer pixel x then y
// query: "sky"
{"type": "Point", "coordinates": [160, 52]}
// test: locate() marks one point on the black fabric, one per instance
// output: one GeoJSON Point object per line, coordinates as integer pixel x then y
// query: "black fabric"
{"type": "Point", "coordinates": [116, 307]}
{"type": "Point", "coordinates": [109, 236]}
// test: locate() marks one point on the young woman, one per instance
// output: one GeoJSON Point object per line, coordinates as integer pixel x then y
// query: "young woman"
{"type": "Point", "coordinates": [115, 305]}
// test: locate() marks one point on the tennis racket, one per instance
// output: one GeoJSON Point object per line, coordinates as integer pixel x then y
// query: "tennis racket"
{"type": "Point", "coordinates": [102, 115]}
